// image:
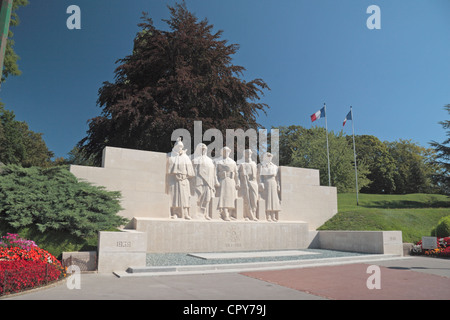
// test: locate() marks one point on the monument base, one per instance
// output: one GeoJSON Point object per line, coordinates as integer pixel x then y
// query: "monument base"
{"type": "Point", "coordinates": [179, 236]}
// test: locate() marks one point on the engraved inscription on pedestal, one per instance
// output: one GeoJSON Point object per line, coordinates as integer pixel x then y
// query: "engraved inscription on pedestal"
{"type": "Point", "coordinates": [233, 237]}
{"type": "Point", "coordinates": [124, 244]}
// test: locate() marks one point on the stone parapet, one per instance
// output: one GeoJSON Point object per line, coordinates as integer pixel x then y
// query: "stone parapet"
{"type": "Point", "coordinates": [381, 242]}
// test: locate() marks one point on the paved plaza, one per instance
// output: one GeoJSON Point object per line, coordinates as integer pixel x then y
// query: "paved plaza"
{"type": "Point", "coordinates": [401, 278]}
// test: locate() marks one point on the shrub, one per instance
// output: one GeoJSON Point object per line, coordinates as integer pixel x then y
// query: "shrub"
{"type": "Point", "coordinates": [443, 228]}
{"type": "Point", "coordinates": [54, 199]}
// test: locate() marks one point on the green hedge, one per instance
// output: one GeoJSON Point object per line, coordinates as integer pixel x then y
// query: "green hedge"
{"type": "Point", "coordinates": [52, 199]}
{"type": "Point", "coordinates": [443, 228]}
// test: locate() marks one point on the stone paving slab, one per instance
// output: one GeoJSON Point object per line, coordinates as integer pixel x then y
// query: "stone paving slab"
{"type": "Point", "coordinates": [187, 288]}
{"type": "Point", "coordinates": [250, 254]}
{"type": "Point", "coordinates": [349, 282]}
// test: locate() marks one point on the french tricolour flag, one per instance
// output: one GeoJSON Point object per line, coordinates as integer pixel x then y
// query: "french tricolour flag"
{"type": "Point", "coordinates": [348, 117]}
{"type": "Point", "coordinates": [319, 114]}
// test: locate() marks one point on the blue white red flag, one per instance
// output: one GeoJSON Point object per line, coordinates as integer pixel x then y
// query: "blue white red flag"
{"type": "Point", "coordinates": [319, 114]}
{"type": "Point", "coordinates": [348, 117]}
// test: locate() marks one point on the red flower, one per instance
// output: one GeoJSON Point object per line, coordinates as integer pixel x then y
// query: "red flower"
{"type": "Point", "coordinates": [21, 274]}
{"type": "Point", "coordinates": [23, 267]}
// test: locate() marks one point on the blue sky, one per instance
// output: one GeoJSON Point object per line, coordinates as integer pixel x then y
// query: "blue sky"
{"type": "Point", "coordinates": [309, 52]}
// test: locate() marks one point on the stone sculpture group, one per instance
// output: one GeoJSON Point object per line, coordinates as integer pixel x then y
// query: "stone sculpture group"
{"type": "Point", "coordinates": [206, 179]}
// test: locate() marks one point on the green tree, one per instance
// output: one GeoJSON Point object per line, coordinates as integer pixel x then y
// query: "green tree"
{"type": "Point", "coordinates": [442, 176]}
{"type": "Point", "coordinates": [10, 66]}
{"type": "Point", "coordinates": [375, 154]}
{"type": "Point", "coordinates": [414, 167]}
{"type": "Point", "coordinates": [288, 142]}
{"type": "Point", "coordinates": [20, 145]}
{"type": "Point", "coordinates": [306, 148]}
{"type": "Point", "coordinates": [78, 157]}
{"type": "Point", "coordinates": [12, 149]}
{"type": "Point", "coordinates": [171, 79]}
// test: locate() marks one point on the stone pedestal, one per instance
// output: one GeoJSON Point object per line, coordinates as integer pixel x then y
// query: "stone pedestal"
{"type": "Point", "coordinates": [179, 236]}
{"type": "Point", "coordinates": [119, 250]}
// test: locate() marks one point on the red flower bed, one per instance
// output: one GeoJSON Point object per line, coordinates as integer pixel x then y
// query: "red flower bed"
{"type": "Point", "coordinates": [24, 265]}
{"type": "Point", "coordinates": [442, 250]}
{"type": "Point", "coordinates": [33, 254]}
{"type": "Point", "coordinates": [19, 275]}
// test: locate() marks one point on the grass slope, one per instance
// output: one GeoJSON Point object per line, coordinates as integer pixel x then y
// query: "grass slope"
{"type": "Point", "coordinates": [413, 214]}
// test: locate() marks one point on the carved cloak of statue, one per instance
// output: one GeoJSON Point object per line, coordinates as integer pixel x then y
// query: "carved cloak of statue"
{"type": "Point", "coordinates": [227, 175]}
{"type": "Point", "coordinates": [205, 177]}
{"type": "Point", "coordinates": [269, 182]}
{"type": "Point", "coordinates": [179, 170]}
{"type": "Point", "coordinates": [249, 185]}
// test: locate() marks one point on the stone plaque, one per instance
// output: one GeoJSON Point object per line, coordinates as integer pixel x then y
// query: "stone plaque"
{"type": "Point", "coordinates": [429, 242]}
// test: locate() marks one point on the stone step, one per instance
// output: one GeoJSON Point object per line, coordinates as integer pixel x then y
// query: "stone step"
{"type": "Point", "coordinates": [240, 267]}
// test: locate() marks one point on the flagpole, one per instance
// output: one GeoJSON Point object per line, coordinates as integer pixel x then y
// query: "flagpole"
{"type": "Point", "coordinates": [354, 153]}
{"type": "Point", "coordinates": [328, 149]}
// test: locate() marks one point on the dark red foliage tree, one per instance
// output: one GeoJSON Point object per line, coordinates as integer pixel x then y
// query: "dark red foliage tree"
{"type": "Point", "coordinates": [172, 79]}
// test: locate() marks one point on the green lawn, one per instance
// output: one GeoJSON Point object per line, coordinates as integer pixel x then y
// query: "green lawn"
{"type": "Point", "coordinates": [413, 214]}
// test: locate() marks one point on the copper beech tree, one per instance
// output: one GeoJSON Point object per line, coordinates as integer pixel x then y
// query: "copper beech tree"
{"type": "Point", "coordinates": [171, 79]}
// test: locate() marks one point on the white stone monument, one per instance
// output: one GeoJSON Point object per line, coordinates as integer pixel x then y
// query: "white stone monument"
{"type": "Point", "coordinates": [184, 204]}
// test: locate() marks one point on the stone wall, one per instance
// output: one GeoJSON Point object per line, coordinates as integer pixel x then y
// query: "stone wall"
{"type": "Point", "coordinates": [138, 175]}
{"type": "Point", "coordinates": [304, 199]}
